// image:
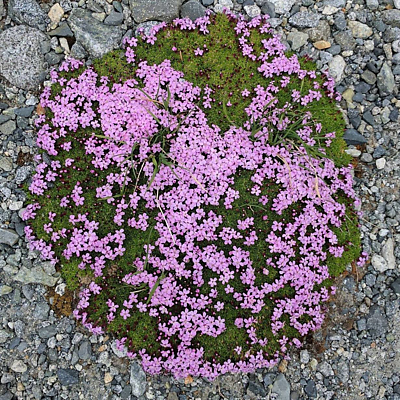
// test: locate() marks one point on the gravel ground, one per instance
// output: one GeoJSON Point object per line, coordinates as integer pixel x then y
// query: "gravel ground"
{"type": "Point", "coordinates": [356, 355]}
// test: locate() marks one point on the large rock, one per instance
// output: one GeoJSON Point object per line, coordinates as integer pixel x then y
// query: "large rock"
{"type": "Point", "coordinates": [2, 9]}
{"type": "Point", "coordinates": [283, 6]}
{"type": "Point", "coordinates": [137, 380]}
{"type": "Point", "coordinates": [21, 61]}
{"type": "Point", "coordinates": [386, 83]}
{"type": "Point", "coordinates": [148, 10]}
{"type": "Point", "coordinates": [281, 388]}
{"type": "Point", "coordinates": [360, 30]}
{"type": "Point", "coordinates": [391, 17]}
{"type": "Point", "coordinates": [336, 68]}
{"type": "Point", "coordinates": [28, 12]}
{"type": "Point", "coordinates": [193, 10]}
{"type": "Point", "coordinates": [97, 38]}
{"type": "Point", "coordinates": [8, 236]}
{"type": "Point", "coordinates": [35, 275]}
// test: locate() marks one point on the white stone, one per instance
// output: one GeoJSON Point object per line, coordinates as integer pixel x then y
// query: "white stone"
{"type": "Point", "coordinates": [16, 205]}
{"type": "Point", "coordinates": [380, 163]}
{"type": "Point", "coordinates": [226, 3]}
{"type": "Point", "coordinates": [283, 6]}
{"type": "Point", "coordinates": [397, 4]}
{"type": "Point", "coordinates": [18, 366]}
{"type": "Point", "coordinates": [329, 10]}
{"type": "Point", "coordinates": [336, 68]}
{"type": "Point", "coordinates": [64, 44]}
{"type": "Point", "coordinates": [388, 253]}
{"type": "Point", "coordinates": [252, 11]}
{"type": "Point", "coordinates": [353, 152]}
{"type": "Point", "coordinates": [379, 263]}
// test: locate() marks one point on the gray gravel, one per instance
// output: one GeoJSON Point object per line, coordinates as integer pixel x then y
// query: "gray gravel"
{"type": "Point", "coordinates": [356, 355]}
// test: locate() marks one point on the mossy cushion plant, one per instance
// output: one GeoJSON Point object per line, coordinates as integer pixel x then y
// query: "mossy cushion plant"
{"type": "Point", "coordinates": [198, 183]}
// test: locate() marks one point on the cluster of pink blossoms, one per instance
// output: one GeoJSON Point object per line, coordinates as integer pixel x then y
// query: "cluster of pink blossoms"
{"type": "Point", "coordinates": [205, 161]}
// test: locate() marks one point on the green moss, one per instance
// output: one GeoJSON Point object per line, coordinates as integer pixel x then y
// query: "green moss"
{"type": "Point", "coordinates": [228, 73]}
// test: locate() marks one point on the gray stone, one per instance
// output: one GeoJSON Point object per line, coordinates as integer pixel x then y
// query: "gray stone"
{"type": "Point", "coordinates": [345, 40]}
{"type": "Point", "coordinates": [85, 350]}
{"type": "Point", "coordinates": [41, 311]}
{"type": "Point", "coordinates": [21, 61]}
{"type": "Point", "coordinates": [269, 379]}
{"type": "Point", "coordinates": [24, 111]}
{"type": "Point", "coordinates": [7, 396]}
{"type": "Point", "coordinates": [386, 82]}
{"type": "Point", "coordinates": [321, 32]}
{"type": "Point", "coordinates": [336, 68]}
{"type": "Point", "coordinates": [359, 30]}
{"type": "Point", "coordinates": [126, 392]}
{"type": "Point", "coordinates": [68, 377]}
{"type": "Point", "coordinates": [97, 38]}
{"type": "Point", "coordinates": [114, 19]}
{"type": "Point", "coordinates": [35, 275]}
{"type": "Point", "coordinates": [305, 20]}
{"type": "Point", "coordinates": [283, 6]}
{"type": "Point", "coordinates": [376, 322]}
{"type": "Point", "coordinates": [53, 58]}
{"type": "Point", "coordinates": [297, 39]}
{"type": "Point", "coordinates": [137, 380]}
{"type": "Point", "coordinates": [335, 3]}
{"type": "Point", "coordinates": [28, 12]}
{"type": "Point", "coordinates": [325, 369]}
{"type": "Point", "coordinates": [148, 10]}
{"type": "Point", "coordinates": [362, 324]}
{"type": "Point", "coordinates": [373, 4]}
{"type": "Point", "coordinates": [47, 331]}
{"type": "Point", "coordinates": [255, 389]}
{"type": "Point", "coordinates": [369, 77]}
{"type": "Point", "coordinates": [23, 173]}
{"type": "Point", "coordinates": [207, 2]}
{"type": "Point", "coordinates": [193, 10]}
{"type": "Point", "coordinates": [268, 8]}
{"type": "Point", "coordinates": [391, 17]}
{"type": "Point", "coordinates": [343, 372]}
{"type": "Point", "coordinates": [77, 51]}
{"type": "Point", "coordinates": [252, 10]}
{"type": "Point", "coordinates": [7, 378]}
{"type": "Point", "coordinates": [8, 127]}
{"type": "Point", "coordinates": [8, 236]}
{"type": "Point", "coordinates": [281, 388]}
{"type": "Point", "coordinates": [6, 164]}
{"type": "Point", "coordinates": [145, 28]}
{"type": "Point", "coordinates": [63, 30]}
{"type": "Point", "coordinates": [2, 9]}
{"type": "Point", "coordinates": [352, 137]}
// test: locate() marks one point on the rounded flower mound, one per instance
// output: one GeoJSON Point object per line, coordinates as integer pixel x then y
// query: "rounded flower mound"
{"type": "Point", "coordinates": [201, 218]}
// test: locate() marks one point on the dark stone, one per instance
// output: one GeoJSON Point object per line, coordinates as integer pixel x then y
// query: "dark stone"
{"type": "Point", "coordinates": [68, 377]}
{"type": "Point", "coordinates": [117, 6]}
{"type": "Point", "coordinates": [6, 396]}
{"type": "Point", "coordinates": [126, 392]}
{"type": "Point", "coordinates": [379, 152]}
{"type": "Point", "coordinates": [311, 389]}
{"type": "Point", "coordinates": [22, 123]}
{"type": "Point", "coordinates": [4, 118]}
{"type": "Point", "coordinates": [362, 87]}
{"type": "Point", "coordinates": [3, 106]}
{"type": "Point", "coordinates": [372, 67]}
{"type": "Point", "coordinates": [358, 97]}
{"type": "Point", "coordinates": [15, 341]}
{"type": "Point", "coordinates": [376, 323]}
{"type": "Point", "coordinates": [25, 111]}
{"type": "Point", "coordinates": [396, 286]}
{"type": "Point", "coordinates": [268, 9]}
{"type": "Point", "coordinates": [193, 10]}
{"type": "Point", "coordinates": [380, 25]}
{"type": "Point", "coordinates": [394, 115]}
{"type": "Point", "coordinates": [353, 137]}
{"type": "Point", "coordinates": [256, 389]}
{"type": "Point", "coordinates": [391, 17]}
{"type": "Point", "coordinates": [53, 58]}
{"type": "Point", "coordinates": [207, 2]}
{"type": "Point", "coordinates": [369, 118]}
{"type": "Point", "coordinates": [63, 30]}
{"type": "Point", "coordinates": [334, 50]}
{"type": "Point", "coordinates": [114, 19]}
{"type": "Point", "coordinates": [85, 350]}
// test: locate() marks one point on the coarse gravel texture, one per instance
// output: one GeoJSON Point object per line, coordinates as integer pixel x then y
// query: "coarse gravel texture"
{"type": "Point", "coordinates": [356, 355]}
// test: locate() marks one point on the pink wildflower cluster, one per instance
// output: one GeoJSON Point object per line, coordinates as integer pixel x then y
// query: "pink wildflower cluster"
{"type": "Point", "coordinates": [205, 165]}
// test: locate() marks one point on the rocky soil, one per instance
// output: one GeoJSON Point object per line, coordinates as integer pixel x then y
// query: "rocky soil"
{"type": "Point", "coordinates": [357, 353]}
